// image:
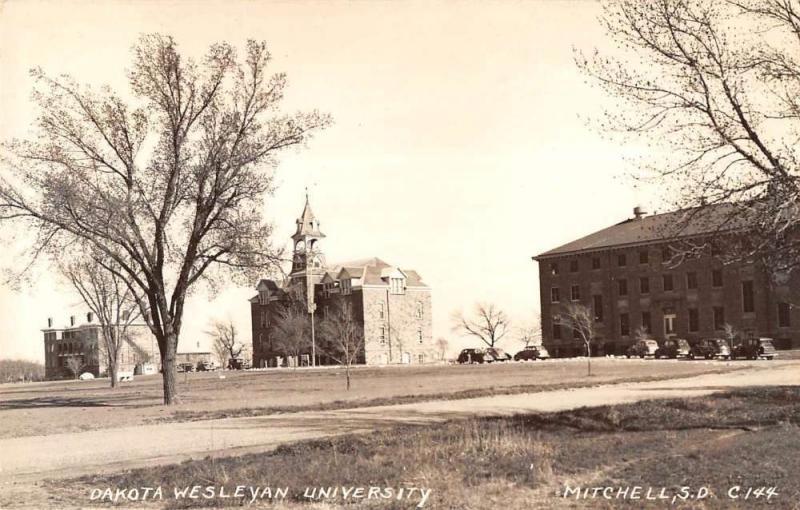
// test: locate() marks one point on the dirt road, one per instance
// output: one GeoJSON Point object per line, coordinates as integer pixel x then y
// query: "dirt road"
{"type": "Point", "coordinates": [24, 460]}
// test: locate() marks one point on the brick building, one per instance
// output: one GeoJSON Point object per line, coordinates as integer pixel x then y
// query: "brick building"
{"type": "Point", "coordinates": [83, 341]}
{"type": "Point", "coordinates": [391, 304]}
{"type": "Point", "coordinates": [630, 276]}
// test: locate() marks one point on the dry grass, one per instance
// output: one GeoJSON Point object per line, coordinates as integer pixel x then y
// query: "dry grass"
{"type": "Point", "coordinates": [68, 406]}
{"type": "Point", "coordinates": [520, 462]}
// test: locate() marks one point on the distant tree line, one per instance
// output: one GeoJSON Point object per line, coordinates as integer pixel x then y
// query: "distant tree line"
{"type": "Point", "coordinates": [18, 370]}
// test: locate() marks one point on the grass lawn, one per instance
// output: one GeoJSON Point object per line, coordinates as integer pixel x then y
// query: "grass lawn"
{"type": "Point", "coordinates": [725, 444]}
{"type": "Point", "coordinates": [68, 406]}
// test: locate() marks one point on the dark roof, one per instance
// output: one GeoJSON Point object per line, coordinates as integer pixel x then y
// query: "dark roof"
{"type": "Point", "coordinates": [684, 223]}
{"type": "Point", "coordinates": [372, 270]}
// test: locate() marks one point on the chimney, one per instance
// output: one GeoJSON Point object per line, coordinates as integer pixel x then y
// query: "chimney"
{"type": "Point", "coordinates": [89, 317]}
{"type": "Point", "coordinates": [49, 322]}
{"type": "Point", "coordinates": [71, 320]}
{"type": "Point", "coordinates": [638, 212]}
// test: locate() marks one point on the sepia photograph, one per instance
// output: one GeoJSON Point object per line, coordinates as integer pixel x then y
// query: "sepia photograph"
{"type": "Point", "coordinates": [399, 254]}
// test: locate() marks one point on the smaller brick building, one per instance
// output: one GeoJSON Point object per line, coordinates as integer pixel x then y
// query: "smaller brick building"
{"type": "Point", "coordinates": [84, 342]}
{"type": "Point", "coordinates": [391, 304]}
{"type": "Point", "coordinates": [630, 277]}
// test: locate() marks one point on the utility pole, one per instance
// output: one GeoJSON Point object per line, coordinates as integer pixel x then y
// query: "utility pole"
{"type": "Point", "coordinates": [312, 308]}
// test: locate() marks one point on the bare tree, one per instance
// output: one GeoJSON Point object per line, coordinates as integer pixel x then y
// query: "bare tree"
{"type": "Point", "coordinates": [581, 320]}
{"type": "Point", "coordinates": [442, 344]}
{"type": "Point", "coordinates": [170, 186]}
{"type": "Point", "coordinates": [714, 87]}
{"type": "Point", "coordinates": [109, 297]}
{"type": "Point", "coordinates": [74, 364]}
{"type": "Point", "coordinates": [225, 340]}
{"type": "Point", "coordinates": [489, 324]}
{"type": "Point", "coordinates": [292, 331]}
{"type": "Point", "coordinates": [342, 338]}
{"type": "Point", "coordinates": [530, 333]}
{"type": "Point", "coordinates": [731, 335]}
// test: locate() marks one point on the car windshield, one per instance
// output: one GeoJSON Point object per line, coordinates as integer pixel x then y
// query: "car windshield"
{"type": "Point", "coordinates": [766, 343]}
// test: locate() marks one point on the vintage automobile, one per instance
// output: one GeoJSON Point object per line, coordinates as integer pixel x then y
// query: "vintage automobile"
{"type": "Point", "coordinates": [673, 348]}
{"type": "Point", "coordinates": [206, 366]}
{"type": "Point", "coordinates": [754, 348]}
{"type": "Point", "coordinates": [532, 352]}
{"type": "Point", "coordinates": [710, 348]}
{"type": "Point", "coordinates": [185, 367]}
{"type": "Point", "coordinates": [471, 356]}
{"type": "Point", "coordinates": [238, 364]}
{"type": "Point", "coordinates": [642, 349]}
{"type": "Point", "coordinates": [496, 354]}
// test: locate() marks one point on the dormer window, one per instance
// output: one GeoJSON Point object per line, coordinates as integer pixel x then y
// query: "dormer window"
{"type": "Point", "coordinates": [263, 297]}
{"type": "Point", "coordinates": [346, 286]}
{"type": "Point", "coordinates": [396, 285]}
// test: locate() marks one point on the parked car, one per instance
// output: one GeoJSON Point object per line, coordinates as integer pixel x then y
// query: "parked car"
{"type": "Point", "coordinates": [496, 354]}
{"type": "Point", "coordinates": [238, 364]}
{"type": "Point", "coordinates": [532, 352]}
{"type": "Point", "coordinates": [642, 349]}
{"type": "Point", "coordinates": [674, 348]}
{"type": "Point", "coordinates": [471, 356]}
{"type": "Point", "coordinates": [710, 348]}
{"type": "Point", "coordinates": [86, 376]}
{"type": "Point", "coordinates": [206, 366]}
{"type": "Point", "coordinates": [754, 348]}
{"type": "Point", "coordinates": [185, 367]}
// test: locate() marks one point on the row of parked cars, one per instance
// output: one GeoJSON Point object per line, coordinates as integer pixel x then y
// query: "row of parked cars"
{"type": "Point", "coordinates": [493, 354]}
{"type": "Point", "coordinates": [210, 366]}
{"type": "Point", "coordinates": [708, 348]}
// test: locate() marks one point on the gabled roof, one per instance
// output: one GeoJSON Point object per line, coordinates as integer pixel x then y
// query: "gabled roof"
{"type": "Point", "coordinates": [375, 271]}
{"type": "Point", "coordinates": [684, 223]}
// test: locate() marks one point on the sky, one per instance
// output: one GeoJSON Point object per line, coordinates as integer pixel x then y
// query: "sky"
{"type": "Point", "coordinates": [462, 142]}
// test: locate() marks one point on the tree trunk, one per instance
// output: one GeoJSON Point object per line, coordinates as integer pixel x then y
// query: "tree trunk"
{"type": "Point", "coordinates": [112, 372]}
{"type": "Point", "coordinates": [347, 375]}
{"type": "Point", "coordinates": [168, 372]}
{"type": "Point", "coordinates": [588, 359]}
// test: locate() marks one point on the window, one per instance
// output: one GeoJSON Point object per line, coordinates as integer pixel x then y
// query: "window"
{"type": "Point", "coordinates": [397, 286]}
{"type": "Point", "coordinates": [381, 310]}
{"type": "Point", "coordinates": [622, 287]}
{"type": "Point", "coordinates": [668, 286]}
{"type": "Point", "coordinates": [556, 327]}
{"type": "Point", "coordinates": [595, 262]}
{"type": "Point", "coordinates": [573, 266]}
{"type": "Point", "coordinates": [420, 310]}
{"type": "Point", "coordinates": [784, 315]}
{"type": "Point", "coordinates": [646, 324]}
{"type": "Point", "coordinates": [716, 278]}
{"type": "Point", "coordinates": [624, 324]}
{"type": "Point", "coordinates": [264, 320]}
{"type": "Point", "coordinates": [644, 285]}
{"type": "Point", "coordinates": [382, 333]}
{"type": "Point", "coordinates": [694, 320]}
{"type": "Point", "coordinates": [555, 295]}
{"type": "Point", "coordinates": [421, 358]}
{"type": "Point", "coordinates": [644, 257]}
{"type": "Point", "coordinates": [419, 335]}
{"type": "Point", "coordinates": [576, 334]}
{"type": "Point", "coordinates": [347, 286]}
{"type": "Point", "coordinates": [748, 305]}
{"type": "Point", "coordinates": [666, 255]}
{"type": "Point", "coordinates": [554, 268]}
{"type": "Point", "coordinates": [621, 260]}
{"type": "Point", "coordinates": [575, 293]}
{"type": "Point", "coordinates": [719, 318]}
{"type": "Point", "coordinates": [597, 302]}
{"type": "Point", "coordinates": [691, 280]}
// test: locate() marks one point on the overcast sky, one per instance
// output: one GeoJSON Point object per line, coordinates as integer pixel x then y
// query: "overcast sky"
{"type": "Point", "coordinates": [460, 147]}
